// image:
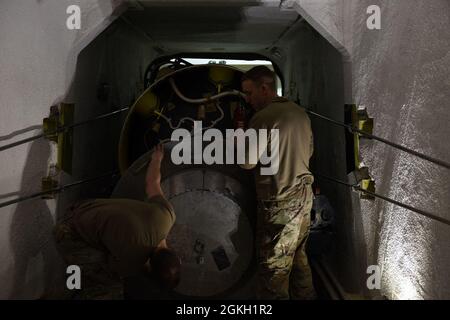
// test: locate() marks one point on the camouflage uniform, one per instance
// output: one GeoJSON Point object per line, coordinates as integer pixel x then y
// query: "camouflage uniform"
{"type": "Point", "coordinates": [283, 229]}
{"type": "Point", "coordinates": [285, 201]}
{"type": "Point", "coordinates": [111, 239]}
{"type": "Point", "coordinates": [97, 282]}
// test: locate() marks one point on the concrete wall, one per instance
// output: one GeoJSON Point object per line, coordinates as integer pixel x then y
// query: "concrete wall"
{"type": "Point", "coordinates": [400, 73]}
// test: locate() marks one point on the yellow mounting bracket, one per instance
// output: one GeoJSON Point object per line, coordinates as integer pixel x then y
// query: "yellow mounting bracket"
{"type": "Point", "coordinates": [159, 112]}
{"type": "Point", "coordinates": [55, 129]}
{"type": "Point", "coordinates": [362, 121]}
{"type": "Point", "coordinates": [51, 124]}
{"type": "Point", "coordinates": [368, 185]}
{"type": "Point", "coordinates": [366, 182]}
{"type": "Point", "coordinates": [48, 183]}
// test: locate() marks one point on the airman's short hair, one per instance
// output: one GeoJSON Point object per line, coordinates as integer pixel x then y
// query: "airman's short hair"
{"type": "Point", "coordinates": [261, 75]}
{"type": "Point", "coordinates": [165, 266]}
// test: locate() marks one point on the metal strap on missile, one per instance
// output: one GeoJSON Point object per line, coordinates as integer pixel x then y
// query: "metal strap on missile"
{"type": "Point", "coordinates": [398, 203]}
{"type": "Point", "coordinates": [61, 129]}
{"type": "Point", "coordinates": [57, 189]}
{"type": "Point", "coordinates": [371, 136]}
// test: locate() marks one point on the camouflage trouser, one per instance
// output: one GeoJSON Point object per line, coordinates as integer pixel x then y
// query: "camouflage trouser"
{"type": "Point", "coordinates": [283, 229]}
{"type": "Point", "coordinates": [96, 281]}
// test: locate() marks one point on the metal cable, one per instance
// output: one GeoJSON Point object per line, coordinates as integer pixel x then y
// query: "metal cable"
{"type": "Point", "coordinates": [398, 203]}
{"type": "Point", "coordinates": [57, 190]}
{"type": "Point", "coordinates": [61, 129]}
{"type": "Point", "coordinates": [107, 115]}
{"type": "Point", "coordinates": [392, 144]}
{"type": "Point", "coordinates": [347, 126]}
{"type": "Point", "coordinates": [18, 143]}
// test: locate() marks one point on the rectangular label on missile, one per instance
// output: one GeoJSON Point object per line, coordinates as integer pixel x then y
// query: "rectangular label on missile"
{"type": "Point", "coordinates": [221, 258]}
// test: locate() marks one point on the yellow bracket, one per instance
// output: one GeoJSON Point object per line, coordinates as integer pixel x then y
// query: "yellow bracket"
{"type": "Point", "coordinates": [159, 113]}
{"type": "Point", "coordinates": [156, 125]}
{"type": "Point", "coordinates": [50, 124]}
{"type": "Point", "coordinates": [368, 185]}
{"type": "Point", "coordinates": [65, 139]}
{"type": "Point", "coordinates": [59, 118]}
{"type": "Point", "coordinates": [362, 121]}
{"type": "Point", "coordinates": [47, 184]}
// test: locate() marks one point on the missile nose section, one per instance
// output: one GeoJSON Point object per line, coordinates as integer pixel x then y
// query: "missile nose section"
{"type": "Point", "coordinates": [214, 229]}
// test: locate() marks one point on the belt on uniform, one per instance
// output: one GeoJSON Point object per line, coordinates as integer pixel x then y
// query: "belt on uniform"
{"type": "Point", "coordinates": [305, 179]}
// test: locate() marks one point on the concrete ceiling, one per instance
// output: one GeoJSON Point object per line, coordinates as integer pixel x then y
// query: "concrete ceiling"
{"type": "Point", "coordinates": [212, 26]}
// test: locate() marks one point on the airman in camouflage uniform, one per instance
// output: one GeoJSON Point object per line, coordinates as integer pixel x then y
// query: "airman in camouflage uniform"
{"type": "Point", "coordinates": [285, 198]}
{"type": "Point", "coordinates": [98, 282]}
{"type": "Point", "coordinates": [112, 240]}
{"type": "Point", "coordinates": [282, 234]}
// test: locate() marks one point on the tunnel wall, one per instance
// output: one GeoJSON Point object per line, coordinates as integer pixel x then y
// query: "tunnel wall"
{"type": "Point", "coordinates": [400, 73]}
{"type": "Point", "coordinates": [38, 60]}
{"type": "Point", "coordinates": [314, 75]}
{"type": "Point", "coordinates": [109, 76]}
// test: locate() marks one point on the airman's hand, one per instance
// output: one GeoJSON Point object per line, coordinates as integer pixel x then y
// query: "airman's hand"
{"type": "Point", "coordinates": [153, 175]}
{"type": "Point", "coordinates": [158, 153]}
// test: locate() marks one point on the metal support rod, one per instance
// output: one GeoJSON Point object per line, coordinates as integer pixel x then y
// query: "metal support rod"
{"type": "Point", "coordinates": [103, 116]}
{"type": "Point", "coordinates": [57, 190]}
{"type": "Point", "coordinates": [61, 129]}
{"type": "Point", "coordinates": [392, 144]}
{"type": "Point", "coordinates": [18, 143]}
{"type": "Point", "coordinates": [398, 203]}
